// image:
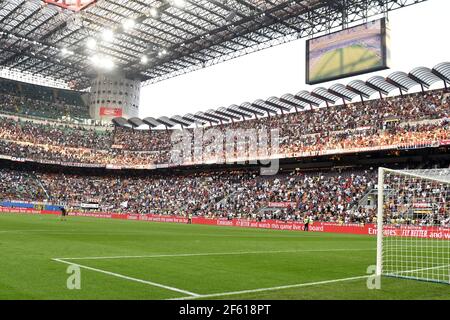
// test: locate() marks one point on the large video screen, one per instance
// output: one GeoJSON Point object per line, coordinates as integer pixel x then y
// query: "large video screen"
{"type": "Point", "coordinates": [349, 52]}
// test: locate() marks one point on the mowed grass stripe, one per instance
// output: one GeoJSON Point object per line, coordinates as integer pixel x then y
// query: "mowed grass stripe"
{"type": "Point", "coordinates": [210, 254]}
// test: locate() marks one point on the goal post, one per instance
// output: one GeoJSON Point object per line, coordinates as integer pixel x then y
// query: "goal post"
{"type": "Point", "coordinates": [413, 224]}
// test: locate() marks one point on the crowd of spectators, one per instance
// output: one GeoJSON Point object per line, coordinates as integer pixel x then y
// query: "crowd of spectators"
{"type": "Point", "coordinates": [20, 186]}
{"type": "Point", "coordinates": [418, 118]}
{"type": "Point", "coordinates": [86, 146]}
{"type": "Point", "coordinates": [142, 140]}
{"type": "Point", "coordinates": [26, 106]}
{"type": "Point", "coordinates": [331, 196]}
{"type": "Point", "coordinates": [39, 101]}
{"type": "Point", "coordinates": [412, 200]}
{"type": "Point", "coordinates": [326, 197]}
{"type": "Point", "coordinates": [76, 156]}
{"type": "Point", "coordinates": [54, 135]}
{"type": "Point", "coordinates": [394, 136]}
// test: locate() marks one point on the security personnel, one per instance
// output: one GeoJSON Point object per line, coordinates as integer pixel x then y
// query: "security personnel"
{"type": "Point", "coordinates": [306, 223]}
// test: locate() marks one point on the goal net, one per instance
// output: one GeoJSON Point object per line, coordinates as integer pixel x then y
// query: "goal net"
{"type": "Point", "coordinates": [414, 224]}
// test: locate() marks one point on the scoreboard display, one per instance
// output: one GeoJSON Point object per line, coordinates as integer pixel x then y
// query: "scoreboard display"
{"type": "Point", "coordinates": [360, 49]}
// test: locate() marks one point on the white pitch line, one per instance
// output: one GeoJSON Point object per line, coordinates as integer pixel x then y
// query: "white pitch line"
{"type": "Point", "coordinates": [222, 294]}
{"type": "Point", "coordinates": [212, 254]}
{"type": "Point", "coordinates": [192, 294]}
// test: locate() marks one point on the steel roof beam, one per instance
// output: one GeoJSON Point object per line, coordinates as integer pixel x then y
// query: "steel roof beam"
{"type": "Point", "coordinates": [12, 12]}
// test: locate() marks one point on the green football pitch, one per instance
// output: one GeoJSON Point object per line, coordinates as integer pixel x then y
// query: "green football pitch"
{"type": "Point", "coordinates": [344, 61]}
{"type": "Point", "coordinates": [142, 260]}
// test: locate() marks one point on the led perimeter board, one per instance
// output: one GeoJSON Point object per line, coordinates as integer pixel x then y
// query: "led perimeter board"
{"type": "Point", "coordinates": [350, 52]}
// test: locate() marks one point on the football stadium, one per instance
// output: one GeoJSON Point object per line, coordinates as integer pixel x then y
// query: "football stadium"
{"type": "Point", "coordinates": [336, 187]}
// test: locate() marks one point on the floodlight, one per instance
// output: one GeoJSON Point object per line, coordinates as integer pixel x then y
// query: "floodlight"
{"type": "Point", "coordinates": [91, 43]}
{"type": "Point", "coordinates": [154, 13]}
{"type": "Point", "coordinates": [179, 3]}
{"type": "Point", "coordinates": [107, 35]}
{"type": "Point", "coordinates": [128, 24]}
{"type": "Point", "coordinates": [144, 59]}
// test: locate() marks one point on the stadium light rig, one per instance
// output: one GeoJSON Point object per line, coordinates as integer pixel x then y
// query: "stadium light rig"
{"type": "Point", "coordinates": [180, 4]}
{"type": "Point", "coordinates": [154, 13]}
{"type": "Point", "coordinates": [144, 59]}
{"type": "Point", "coordinates": [66, 52]}
{"type": "Point", "coordinates": [108, 35]}
{"type": "Point", "coordinates": [162, 53]}
{"type": "Point", "coordinates": [128, 24]}
{"type": "Point", "coordinates": [91, 43]}
{"type": "Point", "coordinates": [102, 63]}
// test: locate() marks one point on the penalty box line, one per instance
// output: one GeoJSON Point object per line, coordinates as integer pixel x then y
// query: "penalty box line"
{"type": "Point", "coordinates": [308, 284]}
{"type": "Point", "coordinates": [233, 293]}
{"type": "Point", "coordinates": [154, 284]}
{"type": "Point", "coordinates": [192, 295]}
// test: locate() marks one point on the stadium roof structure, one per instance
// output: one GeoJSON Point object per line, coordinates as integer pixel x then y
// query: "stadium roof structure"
{"type": "Point", "coordinates": [205, 118]}
{"type": "Point", "coordinates": [120, 122]}
{"type": "Point", "coordinates": [361, 88]}
{"type": "Point", "coordinates": [136, 122]}
{"type": "Point", "coordinates": [342, 91]}
{"type": "Point", "coordinates": [277, 103]}
{"type": "Point", "coordinates": [380, 84]}
{"type": "Point", "coordinates": [168, 123]}
{"type": "Point", "coordinates": [238, 111]}
{"type": "Point", "coordinates": [226, 113]}
{"type": "Point", "coordinates": [424, 76]}
{"type": "Point", "coordinates": [265, 107]}
{"type": "Point", "coordinates": [181, 121]}
{"type": "Point", "coordinates": [151, 122]}
{"type": "Point", "coordinates": [325, 95]}
{"type": "Point", "coordinates": [304, 100]}
{"type": "Point", "coordinates": [307, 98]}
{"type": "Point", "coordinates": [153, 40]}
{"type": "Point", "coordinates": [214, 114]}
{"type": "Point", "coordinates": [401, 80]}
{"type": "Point", "coordinates": [248, 107]}
{"type": "Point", "coordinates": [442, 70]}
{"type": "Point", "coordinates": [291, 100]}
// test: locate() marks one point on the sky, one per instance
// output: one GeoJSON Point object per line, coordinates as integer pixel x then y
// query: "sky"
{"type": "Point", "coordinates": [418, 38]}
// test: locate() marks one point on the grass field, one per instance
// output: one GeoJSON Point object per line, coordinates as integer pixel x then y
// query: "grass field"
{"type": "Point", "coordinates": [344, 61]}
{"type": "Point", "coordinates": [141, 260]}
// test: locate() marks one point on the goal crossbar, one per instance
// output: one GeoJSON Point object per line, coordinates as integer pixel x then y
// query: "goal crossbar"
{"type": "Point", "coordinates": [443, 179]}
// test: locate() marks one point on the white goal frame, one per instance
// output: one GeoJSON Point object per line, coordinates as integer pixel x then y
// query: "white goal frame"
{"type": "Point", "coordinates": [442, 245]}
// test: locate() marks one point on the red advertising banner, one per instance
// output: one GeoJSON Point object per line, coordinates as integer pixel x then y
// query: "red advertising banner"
{"type": "Point", "coordinates": [441, 233]}
{"type": "Point", "coordinates": [327, 227]}
{"type": "Point", "coordinates": [111, 112]}
{"type": "Point", "coordinates": [423, 232]}
{"type": "Point", "coordinates": [26, 211]}
{"type": "Point", "coordinates": [281, 204]}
